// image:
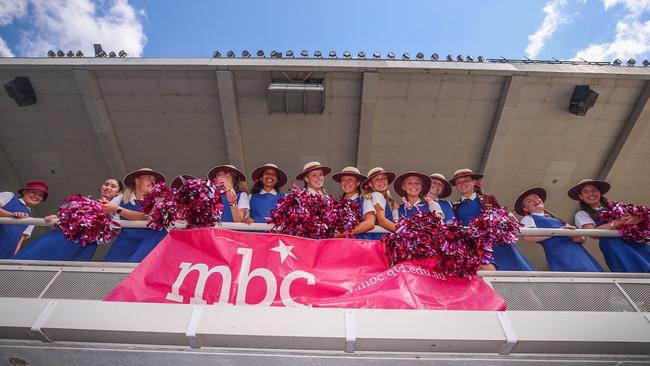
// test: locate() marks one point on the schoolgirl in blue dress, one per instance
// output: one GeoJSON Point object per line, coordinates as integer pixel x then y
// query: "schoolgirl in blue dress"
{"type": "Point", "coordinates": [313, 175]}
{"type": "Point", "coordinates": [127, 207]}
{"type": "Point", "coordinates": [375, 189]}
{"type": "Point", "coordinates": [54, 246]}
{"type": "Point", "coordinates": [620, 255]}
{"type": "Point", "coordinates": [13, 236]}
{"type": "Point", "coordinates": [268, 179]}
{"type": "Point", "coordinates": [412, 187]}
{"type": "Point", "coordinates": [563, 253]}
{"type": "Point", "coordinates": [350, 179]}
{"type": "Point", "coordinates": [441, 188]}
{"type": "Point", "coordinates": [473, 203]}
{"type": "Point", "coordinates": [235, 200]}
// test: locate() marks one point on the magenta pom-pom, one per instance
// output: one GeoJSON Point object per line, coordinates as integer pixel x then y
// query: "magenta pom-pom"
{"type": "Point", "coordinates": [198, 202]}
{"type": "Point", "coordinates": [461, 254]}
{"type": "Point", "coordinates": [344, 215]}
{"type": "Point", "coordinates": [302, 213]}
{"type": "Point", "coordinates": [635, 233]}
{"type": "Point", "coordinates": [495, 227]}
{"type": "Point", "coordinates": [83, 221]}
{"type": "Point", "coordinates": [160, 205]}
{"type": "Point", "coordinates": [417, 237]}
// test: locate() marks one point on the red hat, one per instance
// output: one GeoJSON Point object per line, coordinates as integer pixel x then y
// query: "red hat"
{"type": "Point", "coordinates": [311, 166]}
{"type": "Point", "coordinates": [37, 185]}
{"type": "Point", "coordinates": [426, 182]}
{"type": "Point", "coordinates": [464, 173]}
{"type": "Point", "coordinates": [227, 168]}
{"type": "Point", "coordinates": [602, 186]}
{"type": "Point", "coordinates": [130, 178]}
{"type": "Point", "coordinates": [519, 203]}
{"type": "Point", "coordinates": [259, 171]}
{"type": "Point", "coordinates": [179, 180]}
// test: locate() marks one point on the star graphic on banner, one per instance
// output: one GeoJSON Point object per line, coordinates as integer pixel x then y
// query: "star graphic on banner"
{"type": "Point", "coordinates": [284, 250]}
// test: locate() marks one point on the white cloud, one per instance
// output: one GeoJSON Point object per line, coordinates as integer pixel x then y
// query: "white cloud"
{"type": "Point", "coordinates": [4, 49]}
{"type": "Point", "coordinates": [632, 36]}
{"type": "Point", "coordinates": [553, 19]}
{"type": "Point", "coordinates": [76, 25]}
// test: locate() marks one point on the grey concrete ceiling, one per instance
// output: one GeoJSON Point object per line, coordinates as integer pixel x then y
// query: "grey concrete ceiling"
{"type": "Point", "coordinates": [104, 117]}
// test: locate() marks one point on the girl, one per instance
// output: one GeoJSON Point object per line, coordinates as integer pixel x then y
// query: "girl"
{"type": "Point", "coordinates": [441, 188]}
{"type": "Point", "coordinates": [12, 236]}
{"type": "Point", "coordinates": [474, 202]}
{"type": "Point", "coordinates": [563, 253]}
{"type": "Point", "coordinates": [313, 174]}
{"type": "Point", "coordinates": [411, 186]}
{"type": "Point", "coordinates": [375, 189]}
{"type": "Point", "coordinates": [235, 200]}
{"type": "Point", "coordinates": [620, 255]}
{"type": "Point", "coordinates": [265, 193]}
{"type": "Point", "coordinates": [127, 207]}
{"type": "Point", "coordinates": [54, 246]}
{"type": "Point", "coordinates": [350, 179]}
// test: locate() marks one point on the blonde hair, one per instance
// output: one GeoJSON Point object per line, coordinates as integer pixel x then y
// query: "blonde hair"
{"type": "Point", "coordinates": [367, 194]}
{"type": "Point", "coordinates": [126, 197]}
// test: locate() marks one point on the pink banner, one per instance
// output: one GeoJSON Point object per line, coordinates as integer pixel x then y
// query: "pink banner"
{"type": "Point", "coordinates": [209, 266]}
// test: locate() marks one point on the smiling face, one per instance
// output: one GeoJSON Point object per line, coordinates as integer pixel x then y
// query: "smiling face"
{"type": "Point", "coordinates": [533, 204]}
{"type": "Point", "coordinates": [32, 197]}
{"type": "Point", "coordinates": [349, 184]}
{"type": "Point", "coordinates": [379, 183]}
{"type": "Point", "coordinates": [590, 195]}
{"type": "Point", "coordinates": [412, 186]}
{"type": "Point", "coordinates": [465, 185]}
{"type": "Point", "coordinates": [109, 189]}
{"type": "Point", "coordinates": [315, 179]}
{"type": "Point", "coordinates": [269, 179]}
{"type": "Point", "coordinates": [144, 183]}
{"type": "Point", "coordinates": [436, 189]}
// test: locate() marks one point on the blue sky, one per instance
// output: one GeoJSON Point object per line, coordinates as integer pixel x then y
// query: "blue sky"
{"type": "Point", "coordinates": [597, 30]}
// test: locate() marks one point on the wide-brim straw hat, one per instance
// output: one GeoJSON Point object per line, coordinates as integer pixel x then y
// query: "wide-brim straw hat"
{"type": "Point", "coordinates": [227, 168]}
{"type": "Point", "coordinates": [37, 185]}
{"type": "Point", "coordinates": [310, 167]}
{"type": "Point", "coordinates": [375, 172]}
{"type": "Point", "coordinates": [259, 171]}
{"type": "Point", "coordinates": [349, 171]}
{"type": "Point", "coordinates": [464, 173]}
{"type": "Point", "coordinates": [130, 178]}
{"type": "Point", "coordinates": [602, 186]}
{"type": "Point", "coordinates": [426, 182]}
{"type": "Point", "coordinates": [447, 189]}
{"type": "Point", "coordinates": [179, 180]}
{"type": "Point", "coordinates": [519, 203]}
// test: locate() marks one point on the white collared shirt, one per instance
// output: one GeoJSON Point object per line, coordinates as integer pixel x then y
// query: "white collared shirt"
{"type": "Point", "coordinates": [5, 197]}
{"type": "Point", "coordinates": [471, 197]}
{"type": "Point", "coordinates": [529, 221]}
{"type": "Point", "coordinates": [272, 191]}
{"type": "Point", "coordinates": [582, 218]}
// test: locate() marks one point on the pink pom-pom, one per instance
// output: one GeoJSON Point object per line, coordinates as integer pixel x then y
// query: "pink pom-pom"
{"type": "Point", "coordinates": [198, 202]}
{"type": "Point", "coordinates": [82, 220]}
{"type": "Point", "coordinates": [417, 237]}
{"type": "Point", "coordinates": [344, 214]}
{"type": "Point", "coordinates": [301, 213]}
{"type": "Point", "coordinates": [160, 205]}
{"type": "Point", "coordinates": [635, 233]}
{"type": "Point", "coordinates": [461, 255]}
{"type": "Point", "coordinates": [495, 227]}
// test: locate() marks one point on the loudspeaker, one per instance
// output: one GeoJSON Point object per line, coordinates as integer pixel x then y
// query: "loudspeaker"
{"type": "Point", "coordinates": [582, 99]}
{"type": "Point", "coordinates": [20, 89]}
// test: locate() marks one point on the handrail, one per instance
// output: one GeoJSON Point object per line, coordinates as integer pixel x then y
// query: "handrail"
{"type": "Point", "coordinates": [139, 224]}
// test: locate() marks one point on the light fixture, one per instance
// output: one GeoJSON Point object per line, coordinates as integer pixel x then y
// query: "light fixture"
{"type": "Point", "coordinates": [216, 54]}
{"type": "Point", "coordinates": [274, 54]}
{"type": "Point", "coordinates": [347, 54]}
{"type": "Point", "coordinates": [102, 53]}
{"type": "Point", "coordinates": [70, 53]}
{"type": "Point", "coordinates": [361, 54]}
{"type": "Point", "coordinates": [231, 54]}
{"type": "Point", "coordinates": [304, 53]}
{"type": "Point", "coordinates": [391, 55]}
{"type": "Point", "coordinates": [260, 53]}
{"type": "Point", "coordinates": [646, 63]}
{"type": "Point", "coordinates": [332, 54]}
{"type": "Point", "coordinates": [406, 56]}
{"type": "Point", "coordinates": [582, 99]}
{"type": "Point", "coordinates": [435, 56]}
{"type": "Point", "coordinates": [631, 62]}
{"type": "Point", "coordinates": [21, 90]}
{"type": "Point", "coordinates": [245, 54]}
{"type": "Point", "coordinates": [419, 56]}
{"type": "Point", "coordinates": [98, 50]}
{"type": "Point", "coordinates": [122, 53]}
{"type": "Point", "coordinates": [289, 54]}
{"type": "Point", "coordinates": [296, 97]}
{"type": "Point", "coordinates": [481, 59]}
{"type": "Point", "coordinates": [51, 53]}
{"type": "Point", "coordinates": [376, 55]}
{"type": "Point", "coordinates": [450, 58]}
{"type": "Point", "coordinates": [60, 53]}
{"type": "Point", "coordinates": [318, 54]}
{"type": "Point", "coordinates": [79, 54]}
{"type": "Point", "coordinates": [617, 62]}
{"type": "Point", "coordinates": [460, 58]}
{"type": "Point", "coordinates": [112, 54]}
{"type": "Point", "coordinates": [470, 58]}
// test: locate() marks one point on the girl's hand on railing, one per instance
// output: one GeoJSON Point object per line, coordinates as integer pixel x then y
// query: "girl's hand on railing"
{"type": "Point", "coordinates": [51, 219]}
{"type": "Point", "coordinates": [20, 215]}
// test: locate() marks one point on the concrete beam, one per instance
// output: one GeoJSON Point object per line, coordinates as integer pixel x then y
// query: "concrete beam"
{"type": "Point", "coordinates": [635, 124]}
{"type": "Point", "coordinates": [101, 122]}
{"type": "Point", "coordinates": [230, 118]}
{"type": "Point", "coordinates": [366, 120]}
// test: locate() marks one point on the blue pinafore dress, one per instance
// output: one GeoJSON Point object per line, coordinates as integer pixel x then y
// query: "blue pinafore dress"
{"type": "Point", "coordinates": [53, 246]}
{"type": "Point", "coordinates": [447, 210]}
{"type": "Point", "coordinates": [624, 256]}
{"type": "Point", "coordinates": [262, 204]}
{"type": "Point", "coordinates": [377, 236]}
{"type": "Point", "coordinates": [505, 257]}
{"type": "Point", "coordinates": [10, 234]}
{"type": "Point", "coordinates": [408, 212]}
{"type": "Point", "coordinates": [129, 240]}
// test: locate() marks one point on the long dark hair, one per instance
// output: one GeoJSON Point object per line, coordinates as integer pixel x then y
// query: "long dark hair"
{"type": "Point", "coordinates": [594, 214]}
{"type": "Point", "coordinates": [119, 183]}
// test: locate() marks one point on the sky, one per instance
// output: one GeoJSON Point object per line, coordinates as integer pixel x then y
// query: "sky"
{"type": "Point", "coordinates": [593, 30]}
